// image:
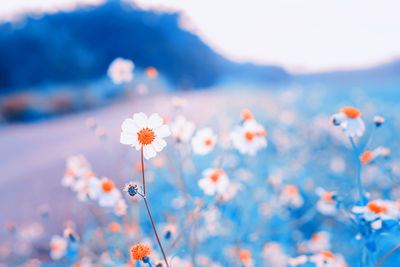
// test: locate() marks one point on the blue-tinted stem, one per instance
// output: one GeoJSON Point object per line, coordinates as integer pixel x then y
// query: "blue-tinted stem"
{"type": "Point", "coordinates": [357, 154]}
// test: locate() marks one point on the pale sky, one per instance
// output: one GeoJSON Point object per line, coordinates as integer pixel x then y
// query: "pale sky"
{"type": "Point", "coordinates": [301, 35]}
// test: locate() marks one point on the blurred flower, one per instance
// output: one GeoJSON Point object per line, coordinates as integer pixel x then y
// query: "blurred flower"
{"type": "Point", "coordinates": [140, 252]}
{"type": "Point", "coordinates": [378, 121]}
{"type": "Point", "coordinates": [215, 181]}
{"type": "Point", "coordinates": [327, 259]}
{"type": "Point", "coordinates": [204, 141]}
{"type": "Point", "coordinates": [290, 196]}
{"type": "Point", "coordinates": [121, 70]}
{"type": "Point", "coordinates": [369, 156]}
{"type": "Point", "coordinates": [245, 257]}
{"type": "Point", "coordinates": [182, 129]}
{"type": "Point", "coordinates": [58, 247]}
{"type": "Point", "coordinates": [114, 227]}
{"type": "Point", "coordinates": [249, 138]}
{"type": "Point", "coordinates": [145, 133]}
{"type": "Point", "coordinates": [327, 202]}
{"type": "Point", "coordinates": [105, 191]}
{"type": "Point", "coordinates": [274, 256]}
{"type": "Point", "coordinates": [349, 118]}
{"type": "Point", "coordinates": [151, 72]}
{"type": "Point", "coordinates": [121, 207]}
{"type": "Point", "coordinates": [246, 114]}
{"type": "Point", "coordinates": [378, 212]}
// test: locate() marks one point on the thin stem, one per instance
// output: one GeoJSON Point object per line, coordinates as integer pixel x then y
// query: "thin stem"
{"type": "Point", "coordinates": [149, 213]}
{"type": "Point", "coordinates": [387, 255]}
{"type": "Point", "coordinates": [359, 185]}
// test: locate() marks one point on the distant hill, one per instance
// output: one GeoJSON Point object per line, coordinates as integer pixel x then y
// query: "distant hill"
{"type": "Point", "coordinates": [380, 74]}
{"type": "Point", "coordinates": [79, 46]}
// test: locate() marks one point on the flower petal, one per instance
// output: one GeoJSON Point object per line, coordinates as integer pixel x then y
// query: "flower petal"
{"type": "Point", "coordinates": [163, 131]}
{"type": "Point", "coordinates": [149, 152]}
{"type": "Point", "coordinates": [155, 121]}
{"type": "Point", "coordinates": [129, 126]}
{"type": "Point", "coordinates": [128, 139]}
{"type": "Point", "coordinates": [159, 144]}
{"type": "Point", "coordinates": [140, 119]}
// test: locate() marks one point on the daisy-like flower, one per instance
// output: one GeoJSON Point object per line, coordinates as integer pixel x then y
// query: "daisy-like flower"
{"type": "Point", "coordinates": [121, 207]}
{"type": "Point", "coordinates": [58, 247]}
{"type": "Point", "coordinates": [249, 137]}
{"type": "Point", "coordinates": [121, 70]}
{"type": "Point", "coordinates": [290, 196]}
{"type": "Point", "coordinates": [318, 242]}
{"type": "Point", "coordinates": [327, 259]}
{"type": "Point", "coordinates": [349, 118]}
{"type": "Point", "coordinates": [140, 252]}
{"type": "Point", "coordinates": [327, 202]}
{"type": "Point", "coordinates": [378, 211]}
{"type": "Point", "coordinates": [204, 141]}
{"type": "Point", "coordinates": [182, 129]}
{"type": "Point", "coordinates": [145, 133]}
{"type": "Point", "coordinates": [246, 114]}
{"type": "Point", "coordinates": [214, 181]}
{"type": "Point", "coordinates": [105, 191]}
{"type": "Point", "coordinates": [245, 257]}
{"type": "Point", "coordinates": [274, 256]}
{"type": "Point", "coordinates": [369, 156]}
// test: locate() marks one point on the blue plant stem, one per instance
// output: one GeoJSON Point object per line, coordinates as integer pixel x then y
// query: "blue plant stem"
{"type": "Point", "coordinates": [357, 154]}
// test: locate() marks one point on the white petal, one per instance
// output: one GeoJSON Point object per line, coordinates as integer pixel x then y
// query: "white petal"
{"type": "Point", "coordinates": [129, 126]}
{"type": "Point", "coordinates": [159, 144]}
{"type": "Point", "coordinates": [128, 139]}
{"type": "Point", "coordinates": [163, 131]}
{"type": "Point", "coordinates": [140, 119]}
{"type": "Point", "coordinates": [155, 121]}
{"type": "Point", "coordinates": [148, 152]}
{"type": "Point", "coordinates": [377, 224]}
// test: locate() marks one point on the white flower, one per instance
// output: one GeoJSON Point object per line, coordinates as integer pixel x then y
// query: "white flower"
{"type": "Point", "coordinates": [274, 256]}
{"type": "Point", "coordinates": [58, 247]}
{"type": "Point", "coordinates": [147, 133]}
{"type": "Point", "coordinates": [182, 129]}
{"type": "Point", "coordinates": [290, 196]}
{"type": "Point", "coordinates": [377, 211]}
{"type": "Point", "coordinates": [121, 207]}
{"type": "Point", "coordinates": [215, 181]}
{"type": "Point", "coordinates": [326, 204]}
{"type": "Point", "coordinates": [349, 118]}
{"type": "Point", "coordinates": [328, 259]}
{"type": "Point", "coordinates": [249, 137]}
{"type": "Point", "coordinates": [105, 191]}
{"type": "Point", "coordinates": [121, 70]}
{"type": "Point", "coordinates": [204, 141]}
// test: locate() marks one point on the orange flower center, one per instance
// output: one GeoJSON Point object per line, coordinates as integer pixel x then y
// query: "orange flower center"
{"type": "Point", "coordinates": [69, 172]}
{"type": "Point", "coordinates": [328, 198]}
{"type": "Point", "coordinates": [351, 112]}
{"type": "Point", "coordinates": [244, 255]}
{"type": "Point", "coordinates": [366, 157]}
{"type": "Point", "coordinates": [140, 251]}
{"type": "Point", "coordinates": [151, 72]}
{"type": "Point", "coordinates": [208, 142]}
{"type": "Point", "coordinates": [292, 190]}
{"type": "Point", "coordinates": [55, 246]}
{"type": "Point", "coordinates": [249, 136]}
{"type": "Point", "coordinates": [376, 208]}
{"type": "Point", "coordinates": [327, 254]}
{"type": "Point", "coordinates": [114, 227]}
{"type": "Point", "coordinates": [216, 174]}
{"type": "Point", "coordinates": [146, 136]}
{"type": "Point", "coordinates": [246, 114]}
{"type": "Point", "coordinates": [107, 185]}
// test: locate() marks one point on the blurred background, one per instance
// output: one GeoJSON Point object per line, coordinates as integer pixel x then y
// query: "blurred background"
{"type": "Point", "coordinates": [294, 63]}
